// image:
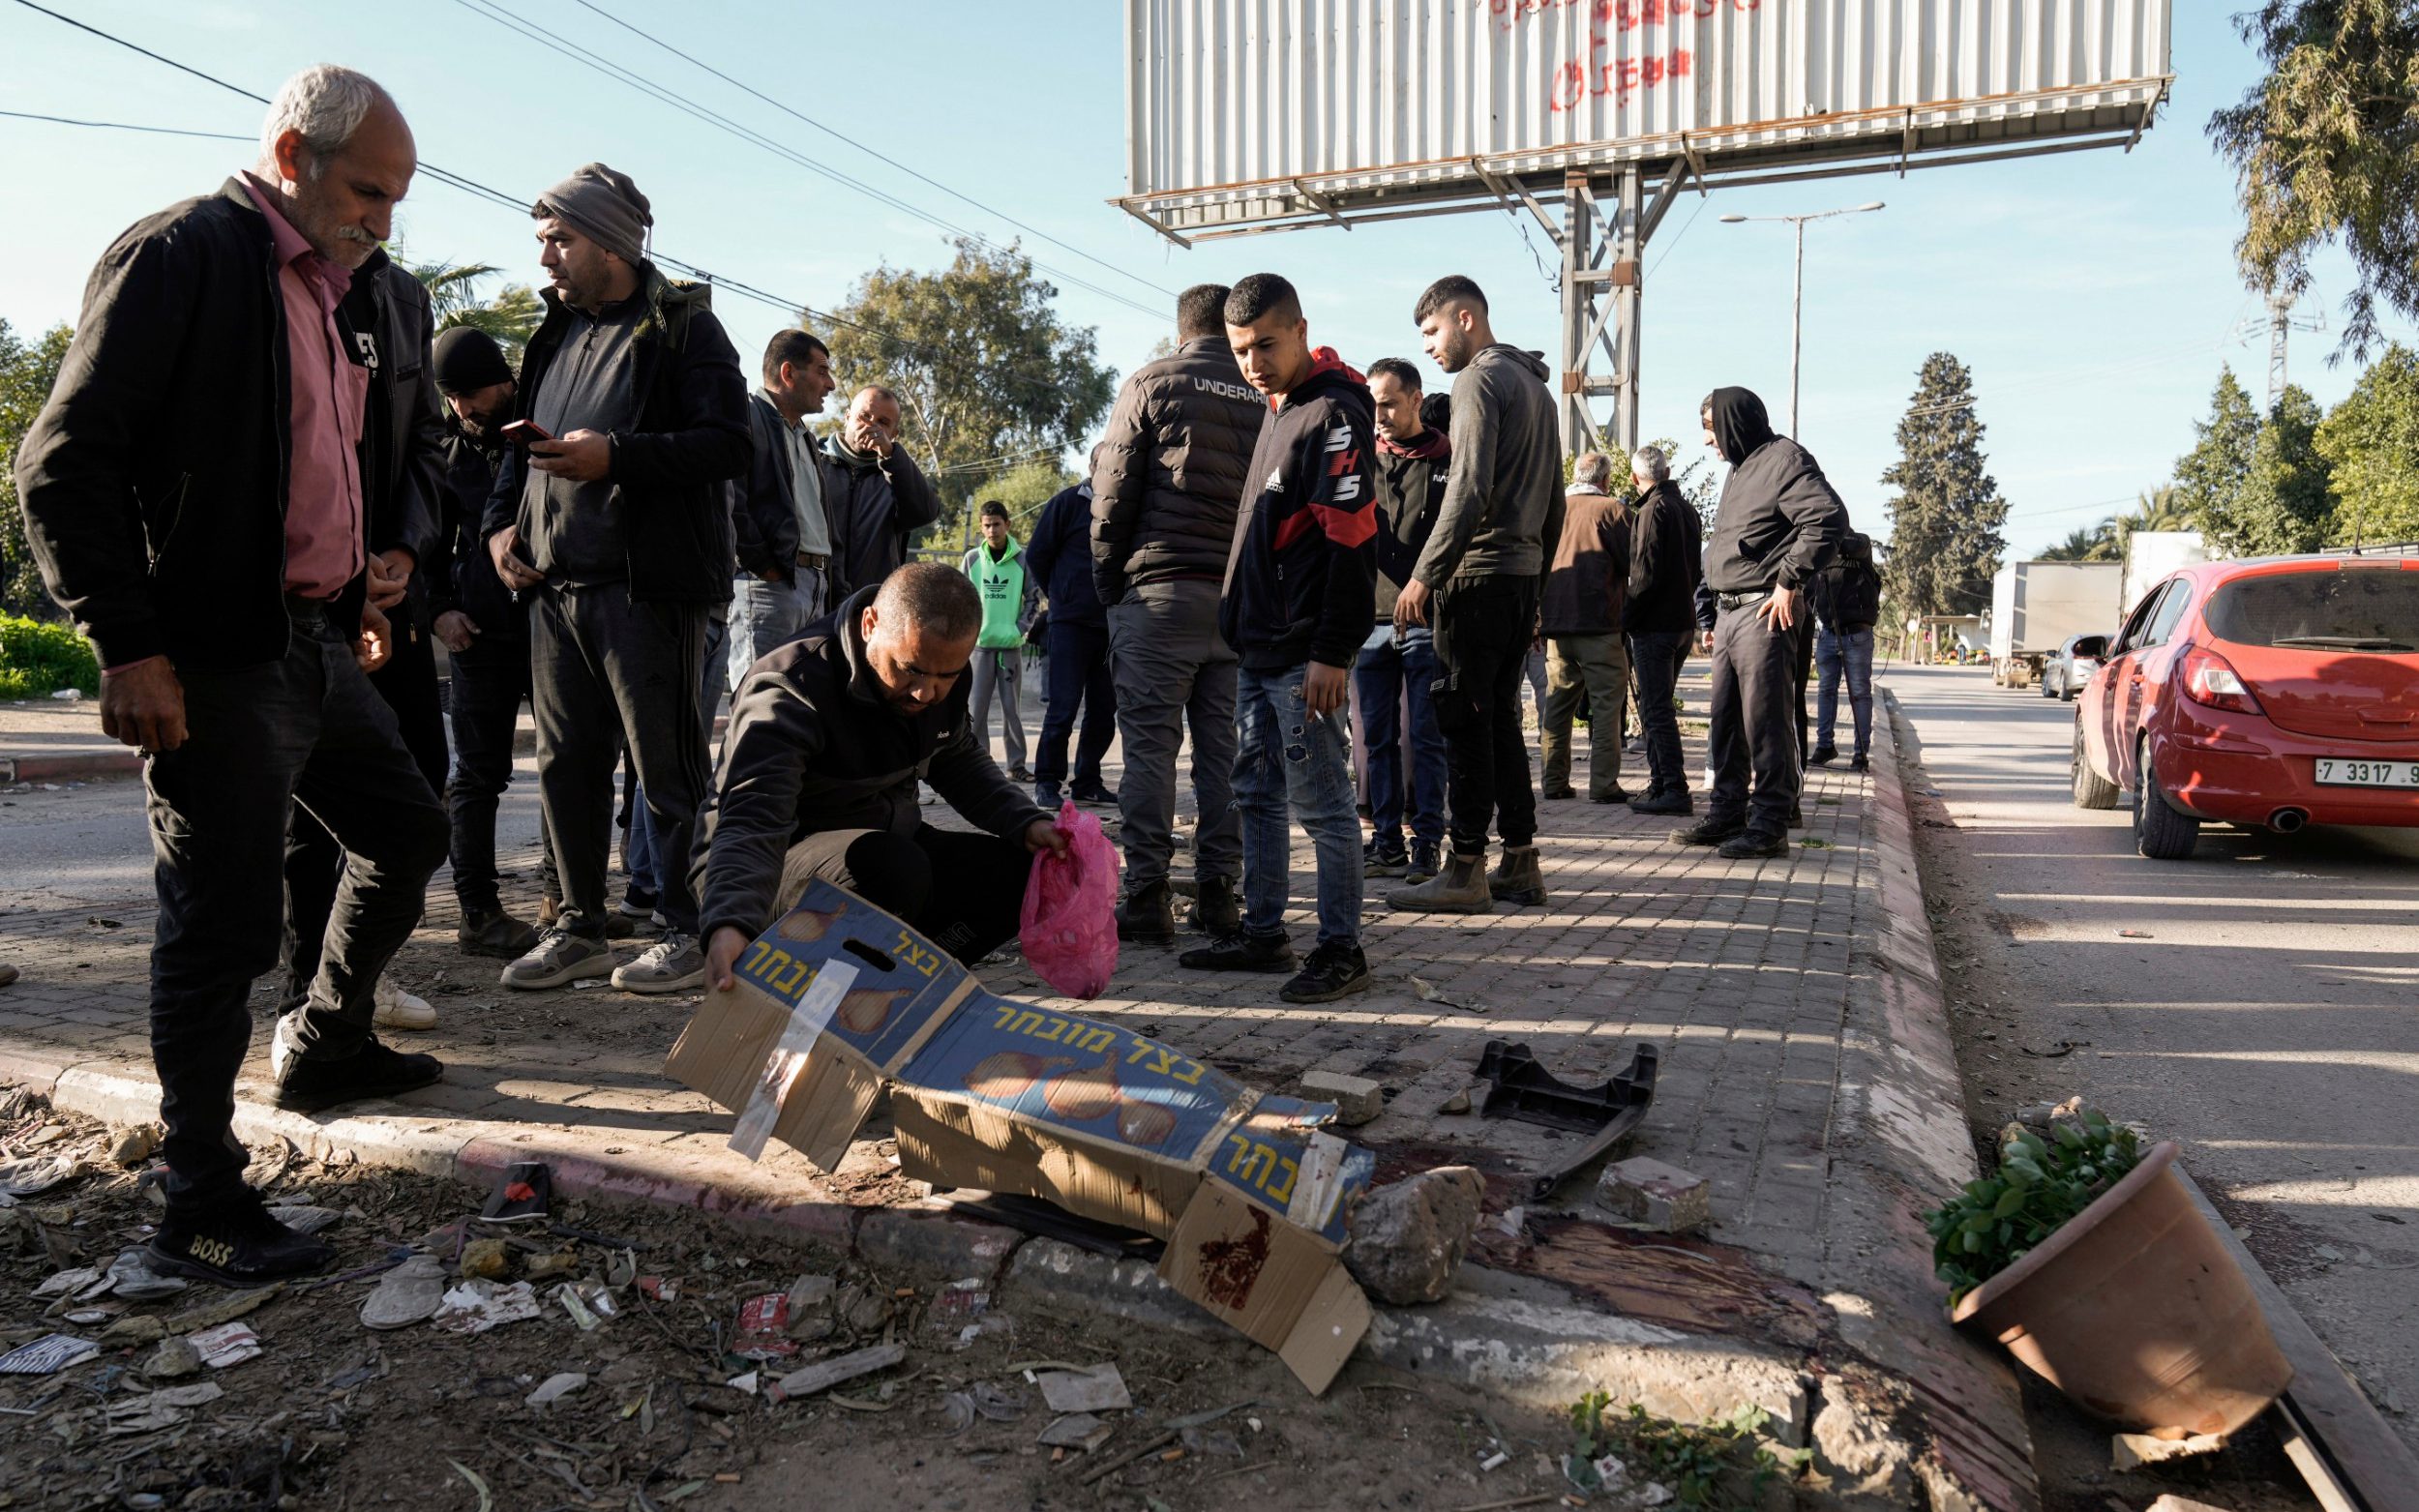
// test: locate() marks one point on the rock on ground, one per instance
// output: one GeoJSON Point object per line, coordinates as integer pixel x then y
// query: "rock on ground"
{"type": "Point", "coordinates": [1407, 1239]}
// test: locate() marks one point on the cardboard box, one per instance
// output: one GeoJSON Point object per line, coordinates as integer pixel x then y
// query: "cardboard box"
{"type": "Point", "coordinates": [840, 999]}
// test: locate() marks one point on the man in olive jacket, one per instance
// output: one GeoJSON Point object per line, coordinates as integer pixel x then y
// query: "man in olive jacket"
{"type": "Point", "coordinates": [618, 523]}
{"type": "Point", "coordinates": [195, 496]}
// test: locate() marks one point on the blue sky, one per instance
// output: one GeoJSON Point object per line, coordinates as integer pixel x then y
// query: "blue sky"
{"type": "Point", "coordinates": [2093, 294]}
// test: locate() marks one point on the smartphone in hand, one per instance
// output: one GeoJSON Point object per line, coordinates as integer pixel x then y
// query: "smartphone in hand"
{"type": "Point", "coordinates": [521, 432]}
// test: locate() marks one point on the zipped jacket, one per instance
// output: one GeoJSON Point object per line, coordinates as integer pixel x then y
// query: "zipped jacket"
{"type": "Point", "coordinates": [669, 471]}
{"type": "Point", "coordinates": [1174, 462]}
{"type": "Point", "coordinates": [1666, 543]}
{"type": "Point", "coordinates": [815, 745]}
{"type": "Point", "coordinates": [153, 480]}
{"type": "Point", "coordinates": [1300, 581]}
{"type": "Point", "coordinates": [1410, 484]}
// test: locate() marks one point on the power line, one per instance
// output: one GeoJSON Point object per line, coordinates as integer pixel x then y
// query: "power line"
{"type": "Point", "coordinates": [124, 126]}
{"type": "Point", "coordinates": [468, 186]}
{"type": "Point", "coordinates": [876, 155]}
{"type": "Point", "coordinates": [630, 77]}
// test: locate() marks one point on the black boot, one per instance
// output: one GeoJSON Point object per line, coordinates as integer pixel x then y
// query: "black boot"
{"type": "Point", "coordinates": [491, 931]}
{"type": "Point", "coordinates": [235, 1244]}
{"type": "Point", "coordinates": [1709, 830]}
{"type": "Point", "coordinates": [372, 1071]}
{"type": "Point", "coordinates": [1147, 917]}
{"type": "Point", "coordinates": [1241, 953]}
{"type": "Point", "coordinates": [1214, 912]}
{"type": "Point", "coordinates": [1664, 800]}
{"type": "Point", "coordinates": [1751, 845]}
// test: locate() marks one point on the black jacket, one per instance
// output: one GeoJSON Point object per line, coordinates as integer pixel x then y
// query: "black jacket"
{"type": "Point", "coordinates": [873, 506]}
{"type": "Point", "coordinates": [1173, 465]}
{"type": "Point", "coordinates": [1847, 595]}
{"type": "Point", "coordinates": [464, 576]}
{"type": "Point", "coordinates": [1409, 491]}
{"type": "Point", "coordinates": [1300, 579]}
{"type": "Point", "coordinates": [814, 746]}
{"type": "Point", "coordinates": [1666, 548]}
{"type": "Point", "coordinates": [763, 508]}
{"type": "Point", "coordinates": [669, 469]}
{"type": "Point", "coordinates": [1058, 557]}
{"type": "Point", "coordinates": [153, 482]}
{"type": "Point", "coordinates": [1779, 521]}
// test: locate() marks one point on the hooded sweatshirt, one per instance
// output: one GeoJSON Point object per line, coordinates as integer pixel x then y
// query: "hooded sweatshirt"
{"type": "Point", "coordinates": [1779, 520]}
{"type": "Point", "coordinates": [1298, 576]}
{"type": "Point", "coordinates": [1502, 505]}
{"type": "Point", "coordinates": [1409, 478]}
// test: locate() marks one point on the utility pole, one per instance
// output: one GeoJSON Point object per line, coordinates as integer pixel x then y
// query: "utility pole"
{"type": "Point", "coordinates": [2280, 325]}
{"type": "Point", "coordinates": [1797, 296]}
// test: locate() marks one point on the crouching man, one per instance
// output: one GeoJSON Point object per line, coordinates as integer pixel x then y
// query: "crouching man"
{"type": "Point", "coordinates": [828, 737]}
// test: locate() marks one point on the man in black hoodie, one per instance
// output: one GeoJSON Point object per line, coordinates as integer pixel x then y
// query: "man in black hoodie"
{"type": "Point", "coordinates": [1397, 675]}
{"type": "Point", "coordinates": [1848, 600]}
{"type": "Point", "coordinates": [1778, 524]}
{"type": "Point", "coordinates": [1296, 609]}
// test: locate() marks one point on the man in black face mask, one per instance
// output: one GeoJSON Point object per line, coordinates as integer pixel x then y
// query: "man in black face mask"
{"type": "Point", "coordinates": [1778, 524]}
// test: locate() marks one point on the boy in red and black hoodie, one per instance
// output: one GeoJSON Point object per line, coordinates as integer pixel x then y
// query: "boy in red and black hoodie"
{"type": "Point", "coordinates": [1297, 603]}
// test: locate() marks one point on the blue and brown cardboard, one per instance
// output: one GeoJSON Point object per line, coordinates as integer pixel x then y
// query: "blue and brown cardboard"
{"type": "Point", "coordinates": [991, 1093]}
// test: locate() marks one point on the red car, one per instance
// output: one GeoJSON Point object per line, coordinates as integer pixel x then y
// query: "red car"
{"type": "Point", "coordinates": [2268, 693]}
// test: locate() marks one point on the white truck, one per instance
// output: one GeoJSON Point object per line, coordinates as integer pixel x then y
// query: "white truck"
{"type": "Point", "coordinates": [2036, 606]}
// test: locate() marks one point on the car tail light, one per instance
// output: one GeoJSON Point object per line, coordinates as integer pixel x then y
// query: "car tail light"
{"type": "Point", "coordinates": [2209, 680]}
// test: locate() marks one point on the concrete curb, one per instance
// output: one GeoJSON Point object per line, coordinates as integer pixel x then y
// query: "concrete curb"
{"type": "Point", "coordinates": [1903, 1147]}
{"type": "Point", "coordinates": [1504, 1335]}
{"type": "Point", "coordinates": [71, 767]}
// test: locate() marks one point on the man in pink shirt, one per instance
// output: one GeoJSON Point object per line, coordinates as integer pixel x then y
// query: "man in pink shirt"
{"type": "Point", "coordinates": [194, 494]}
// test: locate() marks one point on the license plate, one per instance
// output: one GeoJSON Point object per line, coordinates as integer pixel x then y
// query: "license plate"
{"type": "Point", "coordinates": [2337, 772]}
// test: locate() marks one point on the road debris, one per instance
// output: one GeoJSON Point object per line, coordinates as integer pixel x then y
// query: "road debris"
{"type": "Point", "coordinates": [1429, 993]}
{"type": "Point", "coordinates": [47, 1356]}
{"type": "Point", "coordinates": [227, 1345]}
{"type": "Point", "coordinates": [1083, 1431]}
{"type": "Point", "coordinates": [1523, 1089]}
{"type": "Point", "coordinates": [409, 1294]}
{"type": "Point", "coordinates": [477, 1306]}
{"type": "Point", "coordinates": [826, 1374]}
{"type": "Point", "coordinates": [523, 1194]}
{"type": "Point", "coordinates": [1647, 1194]}
{"type": "Point", "coordinates": [555, 1387]}
{"type": "Point", "coordinates": [1357, 1099]}
{"type": "Point", "coordinates": [1099, 1388]}
{"type": "Point", "coordinates": [1408, 1238]}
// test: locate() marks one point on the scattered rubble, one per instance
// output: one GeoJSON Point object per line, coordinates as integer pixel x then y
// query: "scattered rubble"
{"type": "Point", "coordinates": [1408, 1238]}
{"type": "Point", "coordinates": [1645, 1194]}
{"type": "Point", "coordinates": [1357, 1099]}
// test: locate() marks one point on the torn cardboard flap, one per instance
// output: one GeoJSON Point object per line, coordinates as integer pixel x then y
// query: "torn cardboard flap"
{"type": "Point", "coordinates": [991, 1093]}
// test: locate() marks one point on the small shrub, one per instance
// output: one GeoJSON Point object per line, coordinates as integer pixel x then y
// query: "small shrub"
{"type": "Point", "coordinates": [38, 658]}
{"type": "Point", "coordinates": [2039, 1184]}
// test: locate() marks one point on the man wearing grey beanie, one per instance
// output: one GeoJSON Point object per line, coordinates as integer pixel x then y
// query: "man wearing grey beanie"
{"type": "Point", "coordinates": [610, 519]}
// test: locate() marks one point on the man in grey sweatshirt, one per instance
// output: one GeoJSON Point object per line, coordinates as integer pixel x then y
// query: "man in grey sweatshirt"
{"type": "Point", "coordinates": [1476, 584]}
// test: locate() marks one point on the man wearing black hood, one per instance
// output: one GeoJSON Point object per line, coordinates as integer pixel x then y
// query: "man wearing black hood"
{"type": "Point", "coordinates": [1778, 524]}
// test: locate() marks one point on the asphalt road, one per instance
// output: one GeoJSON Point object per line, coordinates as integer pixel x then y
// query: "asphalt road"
{"type": "Point", "coordinates": [2258, 1003]}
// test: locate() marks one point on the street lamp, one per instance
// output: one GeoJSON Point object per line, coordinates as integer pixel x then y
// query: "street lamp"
{"type": "Point", "coordinates": [1797, 297]}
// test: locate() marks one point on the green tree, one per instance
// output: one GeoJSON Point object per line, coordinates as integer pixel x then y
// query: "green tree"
{"type": "Point", "coordinates": [988, 375]}
{"type": "Point", "coordinates": [512, 316]}
{"type": "Point", "coordinates": [1023, 490]}
{"type": "Point", "coordinates": [2106, 542]}
{"type": "Point", "coordinates": [1945, 520]}
{"type": "Point", "coordinates": [2325, 148]}
{"type": "Point", "coordinates": [2370, 444]}
{"type": "Point", "coordinates": [2209, 478]}
{"type": "Point", "coordinates": [26, 373]}
{"type": "Point", "coordinates": [2082, 544]}
{"type": "Point", "coordinates": [2286, 503]}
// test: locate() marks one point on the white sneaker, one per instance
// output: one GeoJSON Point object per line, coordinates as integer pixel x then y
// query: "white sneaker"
{"type": "Point", "coordinates": [398, 1009]}
{"type": "Point", "coordinates": [672, 964]}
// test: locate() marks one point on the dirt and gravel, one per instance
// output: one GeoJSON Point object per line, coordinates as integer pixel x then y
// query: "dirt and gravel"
{"type": "Point", "coordinates": [333, 1414]}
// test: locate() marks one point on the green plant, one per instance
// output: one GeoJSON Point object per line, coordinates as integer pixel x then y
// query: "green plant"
{"type": "Point", "coordinates": [2039, 1184]}
{"type": "Point", "coordinates": [1699, 1463]}
{"type": "Point", "coordinates": [37, 659]}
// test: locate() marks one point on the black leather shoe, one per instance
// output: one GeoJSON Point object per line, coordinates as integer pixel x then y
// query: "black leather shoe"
{"type": "Point", "coordinates": [1708, 831]}
{"type": "Point", "coordinates": [237, 1244]}
{"type": "Point", "coordinates": [1146, 917]}
{"type": "Point", "coordinates": [1751, 844]}
{"type": "Point", "coordinates": [1860, 763]}
{"type": "Point", "coordinates": [306, 1085]}
{"type": "Point", "coordinates": [1667, 800]}
{"type": "Point", "coordinates": [1823, 755]}
{"type": "Point", "coordinates": [1241, 953]}
{"type": "Point", "coordinates": [1333, 971]}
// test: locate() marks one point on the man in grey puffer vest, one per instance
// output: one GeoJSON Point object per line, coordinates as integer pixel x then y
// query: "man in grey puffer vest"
{"type": "Point", "coordinates": [1476, 584]}
{"type": "Point", "coordinates": [1169, 475]}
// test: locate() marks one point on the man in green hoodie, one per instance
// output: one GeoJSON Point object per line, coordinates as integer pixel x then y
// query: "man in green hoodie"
{"type": "Point", "coordinates": [996, 568]}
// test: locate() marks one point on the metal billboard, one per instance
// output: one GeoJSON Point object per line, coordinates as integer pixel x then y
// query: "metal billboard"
{"type": "Point", "coordinates": [1249, 115]}
{"type": "Point", "coordinates": [1246, 116]}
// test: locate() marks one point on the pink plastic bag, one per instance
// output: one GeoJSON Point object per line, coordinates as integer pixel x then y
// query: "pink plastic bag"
{"type": "Point", "coordinates": [1068, 926]}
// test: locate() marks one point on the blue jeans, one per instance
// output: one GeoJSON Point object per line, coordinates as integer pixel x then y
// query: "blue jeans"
{"type": "Point", "coordinates": [1389, 677]}
{"type": "Point", "coordinates": [1853, 654]}
{"type": "Point", "coordinates": [1285, 759]}
{"type": "Point", "coordinates": [767, 616]}
{"type": "Point", "coordinates": [1076, 674]}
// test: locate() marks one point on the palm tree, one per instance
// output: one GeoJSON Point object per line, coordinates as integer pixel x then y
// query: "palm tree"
{"type": "Point", "coordinates": [512, 316]}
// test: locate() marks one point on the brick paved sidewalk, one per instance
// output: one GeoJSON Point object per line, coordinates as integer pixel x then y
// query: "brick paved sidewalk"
{"type": "Point", "coordinates": [1748, 975]}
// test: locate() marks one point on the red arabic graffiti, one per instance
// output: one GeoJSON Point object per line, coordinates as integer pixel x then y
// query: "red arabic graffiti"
{"type": "Point", "coordinates": [1575, 81]}
{"type": "Point", "coordinates": [1616, 14]}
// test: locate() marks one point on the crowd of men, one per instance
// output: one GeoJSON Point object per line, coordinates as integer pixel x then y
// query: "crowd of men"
{"type": "Point", "coordinates": [265, 493]}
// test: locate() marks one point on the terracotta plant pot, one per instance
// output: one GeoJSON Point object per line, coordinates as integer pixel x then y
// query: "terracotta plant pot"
{"type": "Point", "coordinates": [2137, 1311]}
